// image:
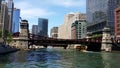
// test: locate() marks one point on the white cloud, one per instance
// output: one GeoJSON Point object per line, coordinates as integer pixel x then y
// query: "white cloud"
{"type": "Point", "coordinates": [36, 8]}
{"type": "Point", "coordinates": [62, 3]}
{"type": "Point", "coordinates": [22, 5]}
{"type": "Point", "coordinates": [35, 12]}
{"type": "Point", "coordinates": [68, 3]}
{"type": "Point", "coordinates": [30, 11]}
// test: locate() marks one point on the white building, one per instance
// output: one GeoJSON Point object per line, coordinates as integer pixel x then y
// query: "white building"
{"type": "Point", "coordinates": [64, 31]}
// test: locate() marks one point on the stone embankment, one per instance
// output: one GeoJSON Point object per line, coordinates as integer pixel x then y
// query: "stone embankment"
{"type": "Point", "coordinates": [4, 49]}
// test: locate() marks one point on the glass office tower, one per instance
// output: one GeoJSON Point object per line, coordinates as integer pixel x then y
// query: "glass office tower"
{"type": "Point", "coordinates": [35, 29]}
{"type": "Point", "coordinates": [10, 6]}
{"type": "Point", "coordinates": [100, 14]}
{"type": "Point", "coordinates": [16, 21]}
{"type": "Point", "coordinates": [42, 27]}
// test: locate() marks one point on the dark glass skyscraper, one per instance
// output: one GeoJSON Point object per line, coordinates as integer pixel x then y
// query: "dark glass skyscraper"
{"type": "Point", "coordinates": [4, 18]}
{"type": "Point", "coordinates": [16, 21]}
{"type": "Point", "coordinates": [100, 13]}
{"type": "Point", "coordinates": [35, 29]}
{"type": "Point", "coordinates": [10, 6]}
{"type": "Point", "coordinates": [43, 27]}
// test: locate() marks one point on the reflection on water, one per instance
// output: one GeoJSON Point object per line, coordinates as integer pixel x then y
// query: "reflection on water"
{"type": "Point", "coordinates": [59, 58]}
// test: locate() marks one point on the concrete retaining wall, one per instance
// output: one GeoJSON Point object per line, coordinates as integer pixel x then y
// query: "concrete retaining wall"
{"type": "Point", "coordinates": [4, 49]}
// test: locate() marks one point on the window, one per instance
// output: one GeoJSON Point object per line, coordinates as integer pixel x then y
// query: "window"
{"type": "Point", "coordinates": [118, 21]}
{"type": "Point", "coordinates": [118, 29]}
{"type": "Point", "coordinates": [117, 17]}
{"type": "Point", "coordinates": [118, 33]}
{"type": "Point", "coordinates": [118, 25]}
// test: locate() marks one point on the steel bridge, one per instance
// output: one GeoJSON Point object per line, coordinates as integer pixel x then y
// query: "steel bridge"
{"type": "Point", "coordinates": [35, 39]}
{"type": "Point", "coordinates": [92, 43]}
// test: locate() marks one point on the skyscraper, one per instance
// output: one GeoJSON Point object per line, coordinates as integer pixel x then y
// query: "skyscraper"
{"type": "Point", "coordinates": [0, 3]}
{"type": "Point", "coordinates": [117, 23]}
{"type": "Point", "coordinates": [43, 27]}
{"type": "Point", "coordinates": [4, 17]}
{"type": "Point", "coordinates": [64, 31]}
{"type": "Point", "coordinates": [100, 14]}
{"type": "Point", "coordinates": [35, 29]}
{"type": "Point", "coordinates": [10, 5]}
{"type": "Point", "coordinates": [78, 29]}
{"type": "Point", "coordinates": [16, 21]}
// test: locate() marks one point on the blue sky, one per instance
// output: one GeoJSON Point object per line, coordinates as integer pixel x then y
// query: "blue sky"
{"type": "Point", "coordinates": [53, 10]}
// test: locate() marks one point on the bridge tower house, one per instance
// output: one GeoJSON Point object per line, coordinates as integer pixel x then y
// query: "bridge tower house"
{"type": "Point", "coordinates": [24, 31]}
{"type": "Point", "coordinates": [106, 44]}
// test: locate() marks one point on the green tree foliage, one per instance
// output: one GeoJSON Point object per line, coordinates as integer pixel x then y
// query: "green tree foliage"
{"type": "Point", "coordinates": [0, 33]}
{"type": "Point", "coordinates": [97, 36]}
{"type": "Point", "coordinates": [8, 36]}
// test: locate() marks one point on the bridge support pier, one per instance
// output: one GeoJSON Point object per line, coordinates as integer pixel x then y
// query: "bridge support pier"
{"type": "Point", "coordinates": [45, 46]}
{"type": "Point", "coordinates": [70, 46]}
{"type": "Point", "coordinates": [65, 47]}
{"type": "Point", "coordinates": [106, 40]}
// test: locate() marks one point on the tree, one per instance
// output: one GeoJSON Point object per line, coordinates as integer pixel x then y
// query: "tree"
{"type": "Point", "coordinates": [0, 33]}
{"type": "Point", "coordinates": [8, 36]}
{"type": "Point", "coordinates": [97, 36]}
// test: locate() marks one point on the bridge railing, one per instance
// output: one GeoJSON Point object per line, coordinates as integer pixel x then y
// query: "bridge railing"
{"type": "Point", "coordinates": [54, 40]}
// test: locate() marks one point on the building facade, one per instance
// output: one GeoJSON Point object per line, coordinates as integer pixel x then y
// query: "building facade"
{"type": "Point", "coordinates": [64, 30]}
{"type": "Point", "coordinates": [4, 18]}
{"type": "Point", "coordinates": [78, 29]}
{"type": "Point", "coordinates": [16, 20]}
{"type": "Point", "coordinates": [35, 29]}
{"type": "Point", "coordinates": [0, 3]}
{"type": "Point", "coordinates": [10, 5]}
{"type": "Point", "coordinates": [54, 32]}
{"type": "Point", "coordinates": [100, 14]}
{"type": "Point", "coordinates": [43, 27]}
{"type": "Point", "coordinates": [117, 23]}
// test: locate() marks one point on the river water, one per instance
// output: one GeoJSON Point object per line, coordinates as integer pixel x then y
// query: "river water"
{"type": "Point", "coordinates": [60, 58]}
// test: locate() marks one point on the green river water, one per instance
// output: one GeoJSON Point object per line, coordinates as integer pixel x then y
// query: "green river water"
{"type": "Point", "coordinates": [60, 58]}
